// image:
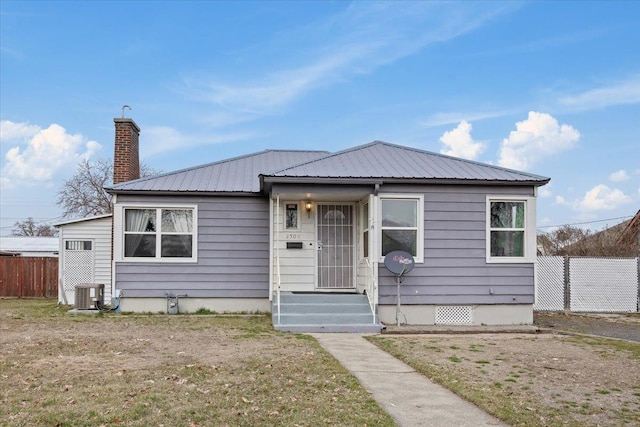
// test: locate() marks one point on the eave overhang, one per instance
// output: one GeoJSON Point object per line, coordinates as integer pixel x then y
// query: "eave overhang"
{"type": "Point", "coordinates": [183, 193]}
{"type": "Point", "coordinates": [266, 182]}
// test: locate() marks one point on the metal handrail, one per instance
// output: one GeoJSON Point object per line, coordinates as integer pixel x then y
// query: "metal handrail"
{"type": "Point", "coordinates": [372, 288]}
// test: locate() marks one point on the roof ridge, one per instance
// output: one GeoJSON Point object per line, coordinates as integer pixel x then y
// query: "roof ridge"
{"type": "Point", "coordinates": [329, 155]}
{"type": "Point", "coordinates": [417, 150]}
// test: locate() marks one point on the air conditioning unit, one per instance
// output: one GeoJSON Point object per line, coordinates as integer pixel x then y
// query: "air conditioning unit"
{"type": "Point", "coordinates": [89, 296]}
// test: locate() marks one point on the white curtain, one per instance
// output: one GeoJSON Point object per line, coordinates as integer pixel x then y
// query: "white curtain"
{"type": "Point", "coordinates": [136, 220]}
{"type": "Point", "coordinates": [180, 221]}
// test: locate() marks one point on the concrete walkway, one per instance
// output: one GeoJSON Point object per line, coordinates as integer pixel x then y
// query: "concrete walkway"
{"type": "Point", "coordinates": [410, 398]}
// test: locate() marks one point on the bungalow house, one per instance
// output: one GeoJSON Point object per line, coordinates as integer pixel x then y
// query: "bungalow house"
{"type": "Point", "coordinates": [303, 234]}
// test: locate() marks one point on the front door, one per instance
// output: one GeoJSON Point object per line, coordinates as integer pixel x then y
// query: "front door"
{"type": "Point", "coordinates": [335, 246]}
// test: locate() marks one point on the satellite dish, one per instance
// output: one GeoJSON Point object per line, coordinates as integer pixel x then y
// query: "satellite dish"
{"type": "Point", "coordinates": [399, 262]}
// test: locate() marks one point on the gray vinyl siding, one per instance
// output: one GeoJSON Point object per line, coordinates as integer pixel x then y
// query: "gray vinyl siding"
{"type": "Point", "coordinates": [455, 270]}
{"type": "Point", "coordinates": [233, 253]}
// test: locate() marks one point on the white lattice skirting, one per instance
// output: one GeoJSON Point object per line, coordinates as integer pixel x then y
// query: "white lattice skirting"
{"type": "Point", "coordinates": [454, 315]}
{"type": "Point", "coordinates": [78, 268]}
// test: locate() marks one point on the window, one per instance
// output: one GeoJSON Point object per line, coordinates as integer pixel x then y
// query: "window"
{"type": "Point", "coordinates": [291, 216]}
{"type": "Point", "coordinates": [402, 225]}
{"type": "Point", "coordinates": [364, 229]}
{"type": "Point", "coordinates": [509, 229]}
{"type": "Point", "coordinates": [77, 245]}
{"type": "Point", "coordinates": [159, 233]}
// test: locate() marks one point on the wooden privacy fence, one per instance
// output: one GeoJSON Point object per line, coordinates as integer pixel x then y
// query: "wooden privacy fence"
{"type": "Point", "coordinates": [28, 276]}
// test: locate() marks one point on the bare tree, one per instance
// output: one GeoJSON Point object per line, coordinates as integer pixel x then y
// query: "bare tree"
{"type": "Point", "coordinates": [83, 194]}
{"type": "Point", "coordinates": [30, 228]}
{"type": "Point", "coordinates": [575, 241]}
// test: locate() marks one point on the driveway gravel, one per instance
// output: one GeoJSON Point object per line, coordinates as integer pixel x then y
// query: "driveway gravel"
{"type": "Point", "coordinates": [621, 326]}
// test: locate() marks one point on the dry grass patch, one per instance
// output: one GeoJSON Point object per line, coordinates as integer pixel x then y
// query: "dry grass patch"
{"type": "Point", "coordinates": [183, 370]}
{"type": "Point", "coordinates": [532, 380]}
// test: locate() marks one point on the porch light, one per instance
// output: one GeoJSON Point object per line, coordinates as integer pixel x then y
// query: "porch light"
{"type": "Point", "coordinates": [307, 207]}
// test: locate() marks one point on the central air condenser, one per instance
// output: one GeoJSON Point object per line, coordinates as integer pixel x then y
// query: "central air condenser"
{"type": "Point", "coordinates": [89, 296]}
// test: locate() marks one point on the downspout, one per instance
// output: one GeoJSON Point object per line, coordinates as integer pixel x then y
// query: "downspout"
{"type": "Point", "coordinates": [376, 245]}
{"type": "Point", "coordinates": [279, 225]}
{"type": "Point", "coordinates": [114, 213]}
{"type": "Point", "coordinates": [270, 248]}
{"type": "Point", "coordinates": [278, 228]}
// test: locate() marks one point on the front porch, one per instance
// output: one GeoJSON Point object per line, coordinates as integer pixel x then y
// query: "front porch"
{"type": "Point", "coordinates": [322, 279]}
{"type": "Point", "coordinates": [324, 312]}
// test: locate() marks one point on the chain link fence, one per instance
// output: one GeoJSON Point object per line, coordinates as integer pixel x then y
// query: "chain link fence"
{"type": "Point", "coordinates": [587, 284]}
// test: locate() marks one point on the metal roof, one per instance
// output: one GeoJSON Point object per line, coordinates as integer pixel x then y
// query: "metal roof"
{"type": "Point", "coordinates": [77, 220]}
{"type": "Point", "coordinates": [388, 162]}
{"type": "Point", "coordinates": [236, 175]}
{"type": "Point", "coordinates": [376, 162]}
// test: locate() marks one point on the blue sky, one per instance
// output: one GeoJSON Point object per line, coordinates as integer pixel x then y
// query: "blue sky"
{"type": "Point", "coordinates": [552, 88]}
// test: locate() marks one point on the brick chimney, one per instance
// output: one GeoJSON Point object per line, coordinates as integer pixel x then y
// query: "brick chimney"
{"type": "Point", "coordinates": [126, 164]}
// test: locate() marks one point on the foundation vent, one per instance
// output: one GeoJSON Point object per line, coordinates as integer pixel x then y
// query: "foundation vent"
{"type": "Point", "coordinates": [454, 315]}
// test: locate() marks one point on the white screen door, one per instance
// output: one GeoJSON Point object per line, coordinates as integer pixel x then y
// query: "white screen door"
{"type": "Point", "coordinates": [335, 246]}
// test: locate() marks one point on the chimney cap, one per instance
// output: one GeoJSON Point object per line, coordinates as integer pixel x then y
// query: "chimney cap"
{"type": "Point", "coordinates": [121, 120]}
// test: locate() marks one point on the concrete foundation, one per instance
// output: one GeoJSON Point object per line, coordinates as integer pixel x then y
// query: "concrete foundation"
{"type": "Point", "coordinates": [191, 305]}
{"type": "Point", "coordinates": [515, 314]}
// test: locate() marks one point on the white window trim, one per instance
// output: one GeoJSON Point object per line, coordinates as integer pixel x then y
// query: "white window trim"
{"type": "Point", "coordinates": [419, 258]}
{"type": "Point", "coordinates": [529, 229]}
{"type": "Point", "coordinates": [118, 233]}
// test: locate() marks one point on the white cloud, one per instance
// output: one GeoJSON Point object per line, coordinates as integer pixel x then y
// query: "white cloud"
{"type": "Point", "coordinates": [264, 96]}
{"type": "Point", "coordinates": [440, 119]}
{"type": "Point", "coordinates": [619, 176]}
{"type": "Point", "coordinates": [47, 151]}
{"type": "Point", "coordinates": [10, 131]}
{"type": "Point", "coordinates": [166, 138]}
{"type": "Point", "coordinates": [561, 201]}
{"type": "Point", "coordinates": [545, 191]}
{"type": "Point", "coordinates": [459, 143]}
{"type": "Point", "coordinates": [364, 37]}
{"type": "Point", "coordinates": [601, 198]}
{"type": "Point", "coordinates": [535, 138]}
{"type": "Point", "coordinates": [626, 92]}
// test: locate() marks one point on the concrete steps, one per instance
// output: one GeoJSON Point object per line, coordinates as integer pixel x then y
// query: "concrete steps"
{"type": "Point", "coordinates": [324, 312]}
